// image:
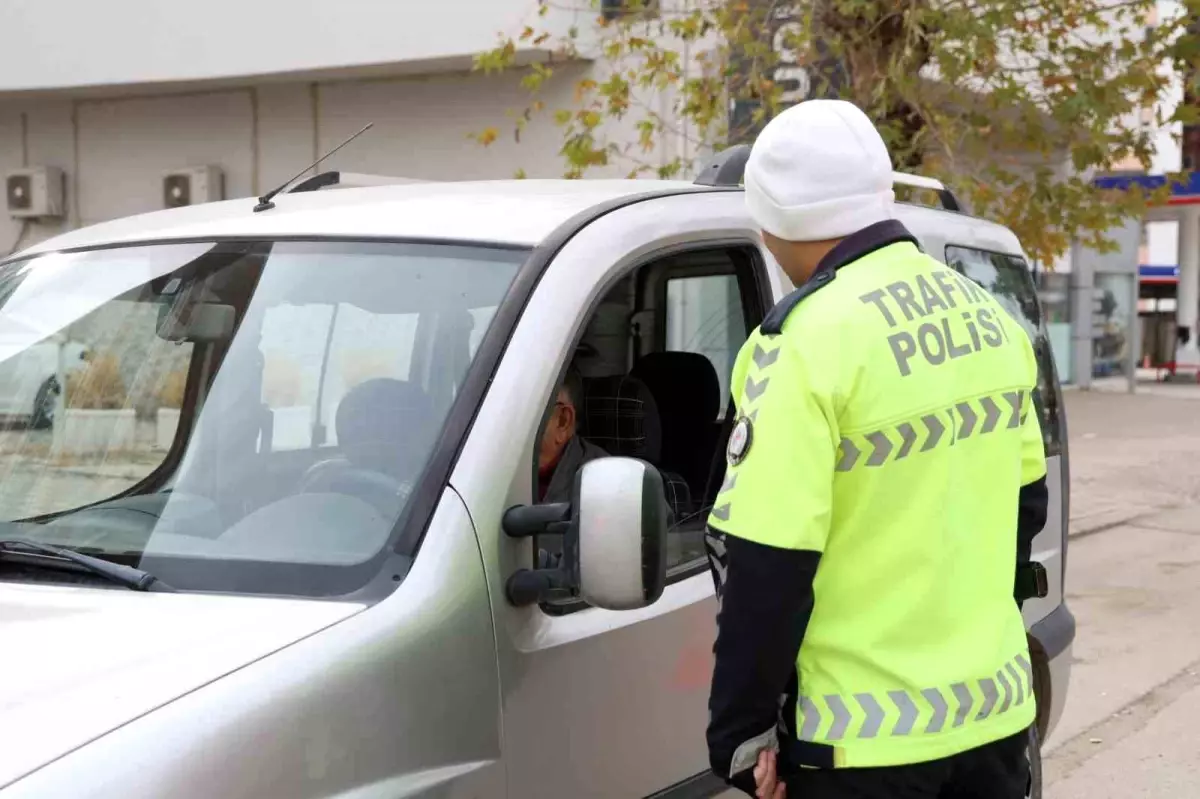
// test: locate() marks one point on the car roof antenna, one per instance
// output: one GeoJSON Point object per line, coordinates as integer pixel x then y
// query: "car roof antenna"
{"type": "Point", "coordinates": [264, 202]}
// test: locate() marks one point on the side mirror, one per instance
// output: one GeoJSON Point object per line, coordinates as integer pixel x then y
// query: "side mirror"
{"type": "Point", "coordinates": [620, 520]}
{"type": "Point", "coordinates": [614, 539]}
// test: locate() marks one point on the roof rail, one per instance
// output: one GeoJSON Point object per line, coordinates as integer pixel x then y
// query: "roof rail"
{"type": "Point", "coordinates": [348, 180]}
{"type": "Point", "coordinates": [945, 196]}
{"type": "Point", "coordinates": [725, 168]}
{"type": "Point", "coordinates": [728, 167]}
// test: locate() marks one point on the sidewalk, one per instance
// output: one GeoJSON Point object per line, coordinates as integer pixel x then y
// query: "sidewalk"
{"type": "Point", "coordinates": [1131, 454]}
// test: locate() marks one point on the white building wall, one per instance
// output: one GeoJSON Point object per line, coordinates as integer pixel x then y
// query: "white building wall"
{"type": "Point", "coordinates": [116, 150]}
{"type": "Point", "coordinates": [54, 45]}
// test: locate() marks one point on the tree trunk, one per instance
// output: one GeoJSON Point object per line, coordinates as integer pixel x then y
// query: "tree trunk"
{"type": "Point", "coordinates": [884, 49]}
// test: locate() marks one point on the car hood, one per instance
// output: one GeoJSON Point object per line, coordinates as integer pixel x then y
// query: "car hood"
{"type": "Point", "coordinates": [77, 663]}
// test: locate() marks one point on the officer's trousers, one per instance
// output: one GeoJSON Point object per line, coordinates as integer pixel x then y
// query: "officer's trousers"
{"type": "Point", "coordinates": [999, 770]}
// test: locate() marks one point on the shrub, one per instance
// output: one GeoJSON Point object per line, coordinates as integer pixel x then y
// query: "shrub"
{"type": "Point", "coordinates": [97, 386]}
{"type": "Point", "coordinates": [173, 385]}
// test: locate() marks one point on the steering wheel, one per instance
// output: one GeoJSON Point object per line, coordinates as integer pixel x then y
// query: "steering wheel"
{"type": "Point", "coordinates": [338, 476]}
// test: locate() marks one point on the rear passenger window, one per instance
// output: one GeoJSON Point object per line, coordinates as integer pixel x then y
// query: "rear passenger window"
{"type": "Point", "coordinates": [704, 316]}
{"type": "Point", "coordinates": [1008, 278]}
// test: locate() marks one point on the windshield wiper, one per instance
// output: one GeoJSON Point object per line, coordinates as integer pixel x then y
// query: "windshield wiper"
{"type": "Point", "coordinates": [127, 576]}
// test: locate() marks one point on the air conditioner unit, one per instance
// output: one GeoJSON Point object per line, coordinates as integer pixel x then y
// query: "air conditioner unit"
{"type": "Point", "coordinates": [615, 9]}
{"type": "Point", "coordinates": [192, 186]}
{"type": "Point", "coordinates": [35, 192]}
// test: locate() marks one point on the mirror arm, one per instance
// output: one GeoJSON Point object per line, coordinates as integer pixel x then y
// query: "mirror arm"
{"type": "Point", "coordinates": [525, 521]}
{"type": "Point", "coordinates": [533, 586]}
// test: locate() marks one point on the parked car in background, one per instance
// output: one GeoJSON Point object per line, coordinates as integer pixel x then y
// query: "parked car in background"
{"type": "Point", "coordinates": [29, 382]}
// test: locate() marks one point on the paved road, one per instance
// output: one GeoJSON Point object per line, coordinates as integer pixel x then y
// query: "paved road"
{"type": "Point", "coordinates": [1132, 720]}
{"type": "Point", "coordinates": [33, 480]}
{"type": "Point", "coordinates": [1131, 727]}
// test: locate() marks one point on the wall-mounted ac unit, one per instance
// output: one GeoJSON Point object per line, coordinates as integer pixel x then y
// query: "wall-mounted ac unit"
{"type": "Point", "coordinates": [35, 192]}
{"type": "Point", "coordinates": [192, 186]}
{"type": "Point", "coordinates": [615, 9]}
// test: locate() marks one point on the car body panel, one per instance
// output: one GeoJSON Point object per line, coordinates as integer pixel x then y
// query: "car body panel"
{"type": "Point", "coordinates": [397, 700]}
{"type": "Point", "coordinates": [79, 662]}
{"type": "Point", "coordinates": [1058, 666]}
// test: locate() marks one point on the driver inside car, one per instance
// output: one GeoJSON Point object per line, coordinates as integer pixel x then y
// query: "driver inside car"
{"type": "Point", "coordinates": [562, 452]}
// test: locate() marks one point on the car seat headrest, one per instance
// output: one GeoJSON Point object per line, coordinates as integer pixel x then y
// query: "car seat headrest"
{"type": "Point", "coordinates": [621, 416]}
{"type": "Point", "coordinates": [684, 382]}
{"type": "Point", "coordinates": [384, 424]}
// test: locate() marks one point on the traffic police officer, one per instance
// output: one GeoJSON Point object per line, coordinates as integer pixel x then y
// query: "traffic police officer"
{"type": "Point", "coordinates": [886, 476]}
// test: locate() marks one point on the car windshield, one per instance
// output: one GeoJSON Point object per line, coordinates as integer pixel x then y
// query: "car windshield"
{"type": "Point", "coordinates": [246, 417]}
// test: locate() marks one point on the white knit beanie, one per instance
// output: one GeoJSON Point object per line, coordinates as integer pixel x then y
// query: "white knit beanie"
{"type": "Point", "coordinates": [819, 171]}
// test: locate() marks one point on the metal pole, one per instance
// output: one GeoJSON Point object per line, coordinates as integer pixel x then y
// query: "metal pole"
{"type": "Point", "coordinates": [1188, 305]}
{"type": "Point", "coordinates": [1081, 291]}
{"type": "Point", "coordinates": [1135, 334]}
{"type": "Point", "coordinates": [59, 423]}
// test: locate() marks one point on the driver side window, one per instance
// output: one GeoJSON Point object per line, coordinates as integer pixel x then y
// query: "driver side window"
{"type": "Point", "coordinates": [646, 382]}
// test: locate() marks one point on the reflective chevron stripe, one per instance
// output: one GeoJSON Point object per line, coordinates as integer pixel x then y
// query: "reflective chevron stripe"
{"type": "Point", "coordinates": [718, 560]}
{"type": "Point", "coordinates": [833, 718]}
{"type": "Point", "coordinates": [761, 359]}
{"type": "Point", "coordinates": [753, 388]}
{"type": "Point", "coordinates": [764, 358]}
{"type": "Point", "coordinates": [964, 420]}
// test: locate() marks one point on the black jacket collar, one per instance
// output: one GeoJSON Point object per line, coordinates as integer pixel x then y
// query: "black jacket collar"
{"type": "Point", "coordinates": [850, 249]}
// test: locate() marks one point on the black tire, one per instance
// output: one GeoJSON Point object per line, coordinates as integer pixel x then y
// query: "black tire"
{"type": "Point", "coordinates": [44, 405]}
{"type": "Point", "coordinates": [1034, 753]}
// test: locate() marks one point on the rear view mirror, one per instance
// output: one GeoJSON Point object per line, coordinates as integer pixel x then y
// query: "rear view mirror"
{"type": "Point", "coordinates": [201, 323]}
{"type": "Point", "coordinates": [614, 539]}
{"type": "Point", "coordinates": [620, 520]}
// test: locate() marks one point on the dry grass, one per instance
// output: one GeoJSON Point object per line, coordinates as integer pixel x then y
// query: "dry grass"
{"type": "Point", "coordinates": [97, 386]}
{"type": "Point", "coordinates": [173, 385]}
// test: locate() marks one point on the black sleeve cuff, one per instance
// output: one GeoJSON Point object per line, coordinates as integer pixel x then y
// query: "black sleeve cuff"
{"type": "Point", "coordinates": [1033, 505]}
{"type": "Point", "coordinates": [766, 602]}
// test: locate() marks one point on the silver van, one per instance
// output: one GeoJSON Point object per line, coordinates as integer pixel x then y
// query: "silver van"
{"type": "Point", "coordinates": [281, 539]}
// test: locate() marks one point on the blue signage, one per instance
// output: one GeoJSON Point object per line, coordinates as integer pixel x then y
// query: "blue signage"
{"type": "Point", "coordinates": [1187, 186]}
{"type": "Point", "coordinates": [1158, 274]}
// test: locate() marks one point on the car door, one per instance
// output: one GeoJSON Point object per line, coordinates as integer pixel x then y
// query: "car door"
{"type": "Point", "coordinates": [1008, 278]}
{"type": "Point", "coordinates": [595, 703]}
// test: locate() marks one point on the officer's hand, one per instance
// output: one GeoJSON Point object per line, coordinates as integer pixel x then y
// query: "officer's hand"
{"type": "Point", "coordinates": [766, 777]}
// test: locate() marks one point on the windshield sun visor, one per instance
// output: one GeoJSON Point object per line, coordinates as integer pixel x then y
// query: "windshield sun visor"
{"type": "Point", "coordinates": [46, 295]}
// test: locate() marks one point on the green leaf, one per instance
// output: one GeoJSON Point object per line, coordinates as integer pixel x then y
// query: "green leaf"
{"type": "Point", "coordinates": [1007, 100]}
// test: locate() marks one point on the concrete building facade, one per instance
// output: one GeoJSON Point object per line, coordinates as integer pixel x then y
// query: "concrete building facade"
{"type": "Point", "coordinates": [128, 91]}
{"type": "Point", "coordinates": [118, 94]}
